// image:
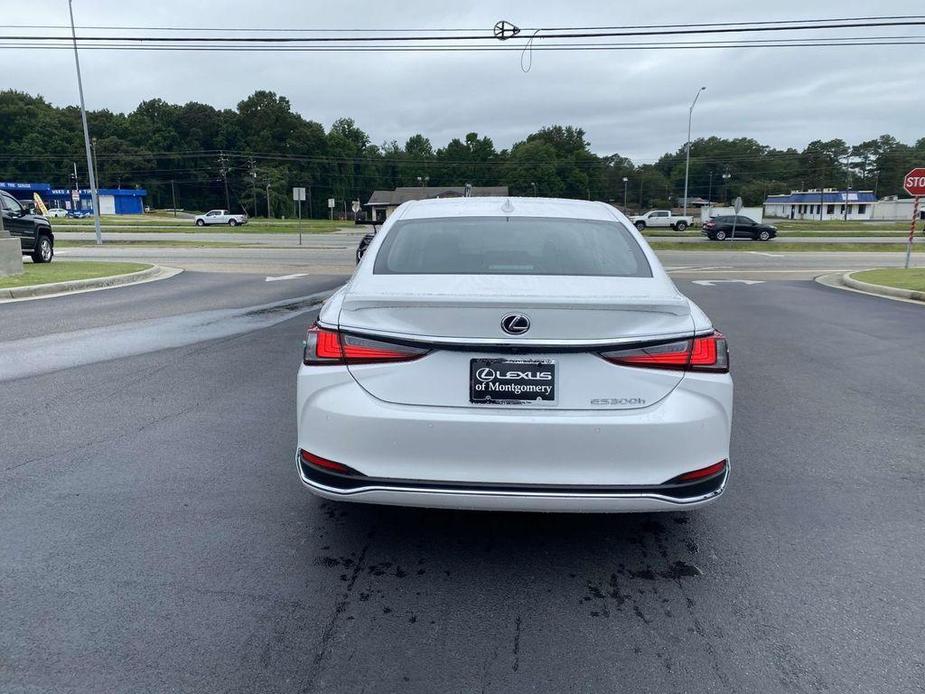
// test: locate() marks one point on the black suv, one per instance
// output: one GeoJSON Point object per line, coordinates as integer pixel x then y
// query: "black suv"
{"type": "Point", "coordinates": [720, 228]}
{"type": "Point", "coordinates": [33, 231]}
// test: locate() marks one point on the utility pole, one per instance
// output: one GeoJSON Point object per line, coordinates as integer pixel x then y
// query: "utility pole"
{"type": "Point", "coordinates": [173, 196]}
{"type": "Point", "coordinates": [269, 213]}
{"type": "Point", "coordinates": [641, 184]}
{"type": "Point", "coordinates": [223, 170]}
{"type": "Point", "coordinates": [253, 165]}
{"type": "Point", "coordinates": [94, 194]}
{"type": "Point", "coordinates": [710, 194]}
{"type": "Point", "coordinates": [847, 181]}
{"type": "Point", "coordinates": [687, 163]}
{"type": "Point", "coordinates": [822, 195]}
{"type": "Point", "coordinates": [625, 189]}
{"type": "Point", "coordinates": [726, 177]}
{"type": "Point", "coordinates": [96, 169]}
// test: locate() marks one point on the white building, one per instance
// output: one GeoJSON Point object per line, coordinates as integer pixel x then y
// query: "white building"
{"type": "Point", "coordinates": [897, 209]}
{"type": "Point", "coordinates": [382, 203]}
{"type": "Point", "coordinates": [827, 203]}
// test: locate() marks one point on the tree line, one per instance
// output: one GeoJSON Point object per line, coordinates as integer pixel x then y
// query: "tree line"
{"type": "Point", "coordinates": [258, 151]}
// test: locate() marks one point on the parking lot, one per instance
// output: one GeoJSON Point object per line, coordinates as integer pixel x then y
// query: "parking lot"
{"type": "Point", "coordinates": [154, 535]}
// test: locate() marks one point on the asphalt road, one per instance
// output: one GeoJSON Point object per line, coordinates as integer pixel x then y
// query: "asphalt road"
{"type": "Point", "coordinates": [154, 535]}
{"type": "Point", "coordinates": [351, 235]}
{"type": "Point", "coordinates": [338, 258]}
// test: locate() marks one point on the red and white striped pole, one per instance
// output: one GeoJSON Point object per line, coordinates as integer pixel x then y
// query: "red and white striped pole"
{"type": "Point", "coordinates": [915, 215]}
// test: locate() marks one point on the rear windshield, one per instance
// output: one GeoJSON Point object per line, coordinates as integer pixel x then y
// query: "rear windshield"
{"type": "Point", "coordinates": [510, 246]}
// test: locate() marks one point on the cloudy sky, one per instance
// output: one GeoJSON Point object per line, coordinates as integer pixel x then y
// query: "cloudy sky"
{"type": "Point", "coordinates": [631, 102]}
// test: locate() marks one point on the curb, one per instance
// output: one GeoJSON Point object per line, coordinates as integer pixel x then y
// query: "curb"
{"type": "Point", "coordinates": [155, 272]}
{"type": "Point", "coordinates": [844, 282]}
{"type": "Point", "coordinates": [849, 281]}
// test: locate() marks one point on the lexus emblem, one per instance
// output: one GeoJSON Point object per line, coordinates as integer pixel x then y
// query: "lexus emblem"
{"type": "Point", "coordinates": [515, 324]}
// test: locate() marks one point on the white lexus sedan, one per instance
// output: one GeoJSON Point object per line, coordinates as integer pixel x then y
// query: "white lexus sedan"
{"type": "Point", "coordinates": [514, 353]}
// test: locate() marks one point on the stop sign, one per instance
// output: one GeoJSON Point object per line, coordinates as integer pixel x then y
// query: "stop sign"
{"type": "Point", "coordinates": [914, 182]}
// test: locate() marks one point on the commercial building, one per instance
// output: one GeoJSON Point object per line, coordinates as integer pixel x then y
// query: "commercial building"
{"type": "Point", "coordinates": [382, 203]}
{"type": "Point", "coordinates": [894, 208]}
{"type": "Point", "coordinates": [824, 204]}
{"type": "Point", "coordinates": [112, 200]}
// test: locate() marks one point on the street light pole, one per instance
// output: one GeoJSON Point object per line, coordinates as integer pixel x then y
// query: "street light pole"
{"type": "Point", "coordinates": [625, 190]}
{"type": "Point", "coordinates": [687, 163]}
{"type": "Point", "coordinates": [269, 213]}
{"type": "Point", "coordinates": [94, 194]}
{"type": "Point", "coordinates": [726, 177]}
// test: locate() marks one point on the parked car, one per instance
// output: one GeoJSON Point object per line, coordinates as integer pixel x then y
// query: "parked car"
{"type": "Point", "coordinates": [220, 217]}
{"type": "Point", "coordinates": [367, 238]}
{"type": "Point", "coordinates": [662, 219]}
{"type": "Point", "coordinates": [518, 354]}
{"type": "Point", "coordinates": [721, 228]}
{"type": "Point", "coordinates": [32, 230]}
{"type": "Point", "coordinates": [56, 212]}
{"type": "Point", "coordinates": [79, 214]}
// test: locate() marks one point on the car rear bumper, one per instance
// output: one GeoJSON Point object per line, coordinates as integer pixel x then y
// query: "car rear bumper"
{"type": "Point", "coordinates": [426, 494]}
{"type": "Point", "coordinates": [513, 458]}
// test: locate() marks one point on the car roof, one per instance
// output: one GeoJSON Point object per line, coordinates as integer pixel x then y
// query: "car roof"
{"type": "Point", "coordinates": [505, 207]}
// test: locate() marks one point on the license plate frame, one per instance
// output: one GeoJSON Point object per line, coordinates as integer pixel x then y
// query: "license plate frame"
{"type": "Point", "coordinates": [501, 381]}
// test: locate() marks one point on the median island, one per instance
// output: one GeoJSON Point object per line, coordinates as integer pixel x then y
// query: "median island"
{"type": "Point", "coordinates": [912, 279]}
{"type": "Point", "coordinates": [57, 271]}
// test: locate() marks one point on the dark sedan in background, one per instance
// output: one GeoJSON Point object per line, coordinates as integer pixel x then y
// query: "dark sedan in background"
{"type": "Point", "coordinates": [737, 226]}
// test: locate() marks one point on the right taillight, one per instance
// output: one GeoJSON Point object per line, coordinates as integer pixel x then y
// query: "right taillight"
{"type": "Point", "coordinates": [704, 353]}
{"type": "Point", "coordinates": [325, 347]}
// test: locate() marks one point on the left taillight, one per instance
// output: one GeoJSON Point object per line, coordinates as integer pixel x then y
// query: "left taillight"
{"type": "Point", "coordinates": [704, 353]}
{"type": "Point", "coordinates": [325, 347]}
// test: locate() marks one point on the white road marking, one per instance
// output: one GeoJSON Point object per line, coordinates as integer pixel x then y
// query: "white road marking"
{"type": "Point", "coordinates": [287, 277]}
{"type": "Point", "coordinates": [710, 283]}
{"type": "Point", "coordinates": [698, 268]}
{"type": "Point", "coordinates": [769, 255]}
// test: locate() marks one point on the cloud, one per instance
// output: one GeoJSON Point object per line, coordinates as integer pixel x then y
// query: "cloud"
{"type": "Point", "coordinates": [631, 102]}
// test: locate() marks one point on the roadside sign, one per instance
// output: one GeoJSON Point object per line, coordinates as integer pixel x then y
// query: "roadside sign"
{"type": "Point", "coordinates": [39, 203]}
{"type": "Point", "coordinates": [737, 206]}
{"type": "Point", "coordinates": [914, 182]}
{"type": "Point", "coordinates": [331, 203]}
{"type": "Point", "coordinates": [355, 206]}
{"type": "Point", "coordinates": [298, 194]}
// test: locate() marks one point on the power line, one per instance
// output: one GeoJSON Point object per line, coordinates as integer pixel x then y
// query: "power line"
{"type": "Point", "coordinates": [119, 27]}
{"type": "Point", "coordinates": [807, 25]}
{"type": "Point", "coordinates": [677, 46]}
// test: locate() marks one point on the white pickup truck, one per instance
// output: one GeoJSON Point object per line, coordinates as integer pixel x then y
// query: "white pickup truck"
{"type": "Point", "coordinates": [221, 217]}
{"type": "Point", "coordinates": [661, 219]}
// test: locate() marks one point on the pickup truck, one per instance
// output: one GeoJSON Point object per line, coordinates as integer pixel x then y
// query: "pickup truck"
{"type": "Point", "coordinates": [220, 217]}
{"type": "Point", "coordinates": [32, 230]}
{"type": "Point", "coordinates": [661, 219]}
